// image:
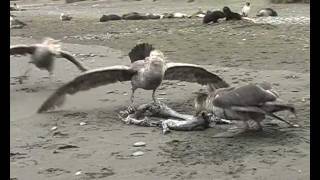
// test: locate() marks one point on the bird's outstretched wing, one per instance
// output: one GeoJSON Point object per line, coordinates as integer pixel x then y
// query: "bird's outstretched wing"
{"type": "Point", "coordinates": [90, 79]}
{"type": "Point", "coordinates": [193, 73]}
{"type": "Point", "coordinates": [22, 49]}
{"type": "Point", "coordinates": [248, 95]}
{"type": "Point", "coordinates": [140, 52]}
{"type": "Point", "coordinates": [69, 57]}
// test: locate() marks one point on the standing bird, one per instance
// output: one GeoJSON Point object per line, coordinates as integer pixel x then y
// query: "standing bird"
{"type": "Point", "coordinates": [230, 15]}
{"type": "Point", "coordinates": [245, 10]}
{"type": "Point", "coordinates": [249, 102]}
{"type": "Point", "coordinates": [43, 55]}
{"type": "Point", "coordinates": [147, 70]}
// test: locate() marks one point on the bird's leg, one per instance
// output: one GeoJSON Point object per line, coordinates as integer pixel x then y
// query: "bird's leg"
{"type": "Point", "coordinates": [24, 76]}
{"type": "Point", "coordinates": [51, 76]}
{"type": "Point", "coordinates": [28, 70]}
{"type": "Point", "coordinates": [131, 99]}
{"type": "Point", "coordinates": [154, 97]}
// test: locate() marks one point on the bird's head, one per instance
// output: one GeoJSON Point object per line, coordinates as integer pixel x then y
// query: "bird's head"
{"type": "Point", "coordinates": [156, 54]}
{"type": "Point", "coordinates": [52, 44]}
{"type": "Point", "coordinates": [247, 4]}
{"type": "Point", "coordinates": [226, 10]}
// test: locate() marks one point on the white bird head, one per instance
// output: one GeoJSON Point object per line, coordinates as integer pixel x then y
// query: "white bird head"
{"type": "Point", "coordinates": [156, 54]}
{"type": "Point", "coordinates": [53, 44]}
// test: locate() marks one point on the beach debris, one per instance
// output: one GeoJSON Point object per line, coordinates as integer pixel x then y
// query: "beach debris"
{"type": "Point", "coordinates": [138, 153]}
{"type": "Point", "coordinates": [139, 144]}
{"type": "Point", "coordinates": [15, 7]}
{"type": "Point", "coordinates": [54, 128]}
{"type": "Point", "coordinates": [15, 23]}
{"type": "Point", "coordinates": [65, 17]}
{"type": "Point", "coordinates": [67, 146]}
{"type": "Point", "coordinates": [83, 123]}
{"type": "Point", "coordinates": [78, 173]}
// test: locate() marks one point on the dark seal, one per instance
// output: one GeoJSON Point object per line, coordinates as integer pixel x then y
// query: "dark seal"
{"type": "Point", "coordinates": [213, 17]}
{"type": "Point", "coordinates": [231, 15]}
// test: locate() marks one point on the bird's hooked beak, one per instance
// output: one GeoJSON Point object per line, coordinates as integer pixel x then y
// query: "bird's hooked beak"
{"type": "Point", "coordinates": [156, 54]}
{"type": "Point", "coordinates": [273, 92]}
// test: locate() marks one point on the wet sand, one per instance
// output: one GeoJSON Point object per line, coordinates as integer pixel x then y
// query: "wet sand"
{"type": "Point", "coordinates": [239, 52]}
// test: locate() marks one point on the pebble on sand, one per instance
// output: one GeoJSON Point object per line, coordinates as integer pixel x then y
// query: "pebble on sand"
{"type": "Point", "coordinates": [139, 144]}
{"type": "Point", "coordinates": [138, 153]}
{"type": "Point", "coordinates": [83, 123]}
{"type": "Point", "coordinates": [78, 173]}
{"type": "Point", "coordinates": [54, 128]}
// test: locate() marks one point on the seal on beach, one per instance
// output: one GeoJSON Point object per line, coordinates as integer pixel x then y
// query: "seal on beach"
{"type": "Point", "coordinates": [230, 15]}
{"type": "Point", "coordinates": [110, 17]}
{"type": "Point", "coordinates": [266, 12]}
{"type": "Point", "coordinates": [134, 16]}
{"type": "Point", "coordinates": [213, 17]}
{"type": "Point", "coordinates": [245, 10]}
{"type": "Point", "coordinates": [147, 70]}
{"type": "Point", "coordinates": [44, 54]}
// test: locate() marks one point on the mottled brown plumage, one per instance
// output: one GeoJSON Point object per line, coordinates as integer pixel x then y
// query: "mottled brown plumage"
{"type": "Point", "coordinates": [147, 74]}
{"type": "Point", "coordinates": [249, 102]}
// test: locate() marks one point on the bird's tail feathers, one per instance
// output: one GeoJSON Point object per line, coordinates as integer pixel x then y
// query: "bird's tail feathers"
{"type": "Point", "coordinates": [140, 52]}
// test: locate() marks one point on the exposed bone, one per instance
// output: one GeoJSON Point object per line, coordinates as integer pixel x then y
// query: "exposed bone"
{"type": "Point", "coordinates": [159, 114]}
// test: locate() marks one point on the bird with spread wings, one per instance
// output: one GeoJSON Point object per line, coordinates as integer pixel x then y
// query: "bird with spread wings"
{"type": "Point", "coordinates": [147, 70]}
{"type": "Point", "coordinates": [44, 54]}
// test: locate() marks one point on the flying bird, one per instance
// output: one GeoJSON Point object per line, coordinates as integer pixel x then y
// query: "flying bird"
{"type": "Point", "coordinates": [245, 10]}
{"type": "Point", "coordinates": [249, 102]}
{"type": "Point", "coordinates": [44, 54]}
{"type": "Point", "coordinates": [147, 70]}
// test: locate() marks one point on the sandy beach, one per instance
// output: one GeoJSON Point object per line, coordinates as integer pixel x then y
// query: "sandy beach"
{"type": "Point", "coordinates": [240, 52]}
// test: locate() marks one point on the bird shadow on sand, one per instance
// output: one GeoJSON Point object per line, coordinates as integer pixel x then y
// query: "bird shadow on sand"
{"type": "Point", "coordinates": [199, 148]}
